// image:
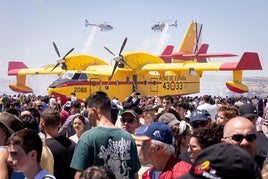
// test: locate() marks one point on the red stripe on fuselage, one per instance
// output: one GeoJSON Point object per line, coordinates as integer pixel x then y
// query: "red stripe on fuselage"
{"type": "Point", "coordinates": [84, 83]}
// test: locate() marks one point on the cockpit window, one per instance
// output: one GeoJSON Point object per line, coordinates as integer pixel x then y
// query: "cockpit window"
{"type": "Point", "coordinates": [76, 76]}
{"type": "Point", "coordinates": [83, 76]}
{"type": "Point", "coordinates": [66, 76]}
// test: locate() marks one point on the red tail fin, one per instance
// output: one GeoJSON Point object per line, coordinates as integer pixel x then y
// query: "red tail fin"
{"type": "Point", "coordinates": [166, 54]}
{"type": "Point", "coordinates": [203, 49]}
{"type": "Point", "coordinates": [14, 67]}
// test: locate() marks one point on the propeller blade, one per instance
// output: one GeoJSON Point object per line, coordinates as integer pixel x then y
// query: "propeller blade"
{"type": "Point", "coordinates": [123, 46]}
{"type": "Point", "coordinates": [115, 66]}
{"type": "Point", "coordinates": [55, 67]}
{"type": "Point", "coordinates": [109, 51]}
{"type": "Point", "coordinates": [56, 49]}
{"type": "Point", "coordinates": [125, 63]}
{"type": "Point", "coordinates": [68, 53]}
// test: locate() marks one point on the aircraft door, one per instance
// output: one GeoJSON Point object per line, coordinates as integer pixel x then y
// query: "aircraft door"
{"type": "Point", "coordinates": [154, 85]}
{"type": "Point", "coordinates": [94, 85]}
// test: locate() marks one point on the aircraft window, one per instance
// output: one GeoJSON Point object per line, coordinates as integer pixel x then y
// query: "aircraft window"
{"type": "Point", "coordinates": [83, 76]}
{"type": "Point", "coordinates": [76, 76]}
{"type": "Point", "coordinates": [67, 76]}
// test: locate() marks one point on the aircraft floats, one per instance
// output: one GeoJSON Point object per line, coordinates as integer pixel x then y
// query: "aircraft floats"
{"type": "Point", "coordinates": [139, 71]}
{"type": "Point", "coordinates": [161, 25]}
{"type": "Point", "coordinates": [103, 26]}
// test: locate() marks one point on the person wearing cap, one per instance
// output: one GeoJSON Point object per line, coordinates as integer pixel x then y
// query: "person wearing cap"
{"type": "Point", "coordinates": [169, 119]}
{"type": "Point", "coordinates": [242, 132]}
{"type": "Point", "coordinates": [105, 145]}
{"type": "Point", "coordinates": [250, 112]}
{"type": "Point", "coordinates": [199, 118]}
{"type": "Point", "coordinates": [223, 161]}
{"type": "Point", "coordinates": [67, 129]}
{"type": "Point", "coordinates": [144, 164]}
{"type": "Point", "coordinates": [158, 150]}
{"type": "Point", "coordinates": [130, 121]}
{"type": "Point", "coordinates": [8, 125]}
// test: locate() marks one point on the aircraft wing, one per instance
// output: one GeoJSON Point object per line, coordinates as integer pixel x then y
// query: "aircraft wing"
{"type": "Point", "coordinates": [19, 68]}
{"type": "Point", "coordinates": [249, 61]}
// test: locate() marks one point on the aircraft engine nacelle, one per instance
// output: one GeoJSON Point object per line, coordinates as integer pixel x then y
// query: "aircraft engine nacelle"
{"type": "Point", "coordinates": [236, 87]}
{"type": "Point", "coordinates": [20, 88]}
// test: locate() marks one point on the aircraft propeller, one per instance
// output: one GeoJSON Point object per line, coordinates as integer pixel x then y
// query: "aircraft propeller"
{"type": "Point", "coordinates": [61, 60]}
{"type": "Point", "coordinates": [119, 60]}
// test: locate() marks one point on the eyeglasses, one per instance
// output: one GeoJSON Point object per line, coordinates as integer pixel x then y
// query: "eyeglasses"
{"type": "Point", "coordinates": [240, 137]}
{"type": "Point", "coordinates": [199, 123]}
{"type": "Point", "coordinates": [39, 106]}
{"type": "Point", "coordinates": [128, 120]}
{"type": "Point", "coordinates": [193, 147]}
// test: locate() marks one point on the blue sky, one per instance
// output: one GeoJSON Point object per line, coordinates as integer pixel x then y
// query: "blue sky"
{"type": "Point", "coordinates": [28, 28]}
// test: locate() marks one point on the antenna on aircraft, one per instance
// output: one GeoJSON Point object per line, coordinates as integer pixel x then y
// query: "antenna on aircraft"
{"type": "Point", "coordinates": [119, 60]}
{"type": "Point", "coordinates": [61, 61]}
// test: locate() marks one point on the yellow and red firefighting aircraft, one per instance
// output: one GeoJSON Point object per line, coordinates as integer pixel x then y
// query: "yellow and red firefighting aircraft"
{"type": "Point", "coordinates": [140, 71]}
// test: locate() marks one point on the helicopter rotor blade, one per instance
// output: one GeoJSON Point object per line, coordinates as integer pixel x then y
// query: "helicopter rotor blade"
{"type": "Point", "coordinates": [56, 49]}
{"type": "Point", "coordinates": [123, 46]}
{"type": "Point", "coordinates": [109, 51]}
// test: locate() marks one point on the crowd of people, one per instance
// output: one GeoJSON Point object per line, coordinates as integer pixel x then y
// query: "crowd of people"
{"type": "Point", "coordinates": [140, 137]}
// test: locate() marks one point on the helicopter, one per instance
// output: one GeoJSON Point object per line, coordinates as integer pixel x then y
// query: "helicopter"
{"type": "Point", "coordinates": [105, 27]}
{"type": "Point", "coordinates": [161, 25]}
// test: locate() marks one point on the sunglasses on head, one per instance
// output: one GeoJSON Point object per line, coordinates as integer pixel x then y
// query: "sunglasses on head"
{"type": "Point", "coordinates": [128, 120]}
{"type": "Point", "coordinates": [199, 123]}
{"type": "Point", "coordinates": [240, 137]}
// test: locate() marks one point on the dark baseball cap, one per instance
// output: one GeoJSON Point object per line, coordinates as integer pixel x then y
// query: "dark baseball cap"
{"type": "Point", "coordinates": [131, 112]}
{"type": "Point", "coordinates": [248, 110]}
{"type": "Point", "coordinates": [222, 160]}
{"type": "Point", "coordinates": [199, 115]}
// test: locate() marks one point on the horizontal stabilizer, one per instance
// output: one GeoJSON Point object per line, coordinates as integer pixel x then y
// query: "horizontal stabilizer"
{"type": "Point", "coordinates": [166, 54]}
{"type": "Point", "coordinates": [248, 61]}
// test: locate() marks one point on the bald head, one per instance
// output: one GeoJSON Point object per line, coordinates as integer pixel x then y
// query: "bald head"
{"type": "Point", "coordinates": [238, 122]}
{"type": "Point", "coordinates": [242, 132]}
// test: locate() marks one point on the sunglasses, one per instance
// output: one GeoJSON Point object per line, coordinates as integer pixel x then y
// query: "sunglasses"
{"type": "Point", "coordinates": [199, 123]}
{"type": "Point", "coordinates": [240, 137]}
{"type": "Point", "coordinates": [128, 120]}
